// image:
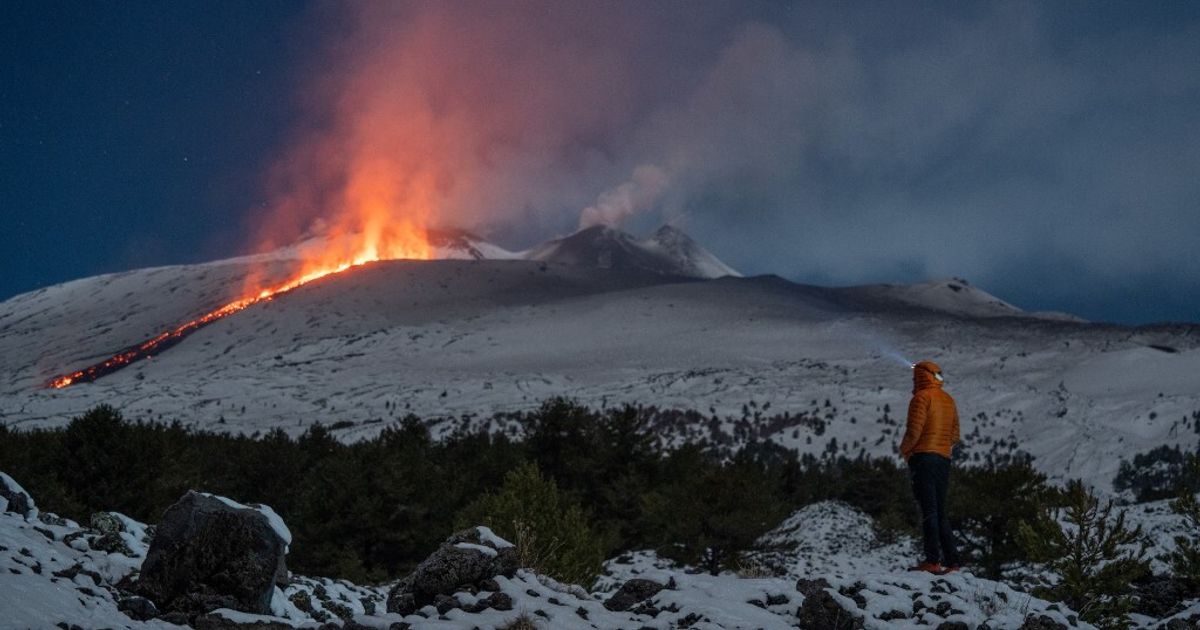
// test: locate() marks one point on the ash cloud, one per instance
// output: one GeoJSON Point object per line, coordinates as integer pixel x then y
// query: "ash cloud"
{"type": "Point", "coordinates": [1012, 144]}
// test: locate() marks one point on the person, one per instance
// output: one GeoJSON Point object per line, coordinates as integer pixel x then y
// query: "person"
{"type": "Point", "coordinates": [929, 439]}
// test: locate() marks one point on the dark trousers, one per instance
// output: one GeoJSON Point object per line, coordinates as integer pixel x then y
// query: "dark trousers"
{"type": "Point", "coordinates": [930, 475]}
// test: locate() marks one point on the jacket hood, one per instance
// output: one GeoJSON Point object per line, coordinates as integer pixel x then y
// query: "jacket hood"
{"type": "Point", "coordinates": [926, 374]}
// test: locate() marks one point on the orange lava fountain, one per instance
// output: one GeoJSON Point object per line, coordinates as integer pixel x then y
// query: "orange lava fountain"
{"type": "Point", "coordinates": [377, 242]}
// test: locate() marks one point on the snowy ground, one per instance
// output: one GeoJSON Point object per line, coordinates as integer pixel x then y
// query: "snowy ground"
{"type": "Point", "coordinates": [452, 338]}
{"type": "Point", "coordinates": [51, 571]}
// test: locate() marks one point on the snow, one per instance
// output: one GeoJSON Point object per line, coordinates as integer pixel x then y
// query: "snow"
{"type": "Point", "coordinates": [486, 535]}
{"type": "Point", "coordinates": [832, 538]}
{"type": "Point", "coordinates": [32, 597]}
{"type": "Point", "coordinates": [487, 551]}
{"type": "Point", "coordinates": [15, 488]}
{"type": "Point", "coordinates": [274, 520]}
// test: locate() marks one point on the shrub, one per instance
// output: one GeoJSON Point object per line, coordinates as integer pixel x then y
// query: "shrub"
{"type": "Point", "coordinates": [988, 502]}
{"type": "Point", "coordinates": [1091, 554]}
{"type": "Point", "coordinates": [1185, 559]}
{"type": "Point", "coordinates": [550, 532]}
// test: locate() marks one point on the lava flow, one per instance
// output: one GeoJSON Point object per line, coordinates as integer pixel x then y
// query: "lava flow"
{"type": "Point", "coordinates": [410, 243]}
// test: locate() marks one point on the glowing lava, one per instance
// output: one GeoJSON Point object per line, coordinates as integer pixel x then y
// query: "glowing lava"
{"type": "Point", "coordinates": [392, 243]}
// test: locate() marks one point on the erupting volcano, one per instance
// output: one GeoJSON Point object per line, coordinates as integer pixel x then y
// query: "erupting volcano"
{"type": "Point", "coordinates": [405, 241]}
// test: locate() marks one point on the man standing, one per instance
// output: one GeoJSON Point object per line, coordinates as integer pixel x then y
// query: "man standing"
{"type": "Point", "coordinates": [929, 439]}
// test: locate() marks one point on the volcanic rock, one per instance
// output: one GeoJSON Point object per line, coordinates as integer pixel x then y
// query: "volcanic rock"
{"type": "Point", "coordinates": [138, 608]}
{"type": "Point", "coordinates": [821, 611]}
{"type": "Point", "coordinates": [110, 528]}
{"type": "Point", "coordinates": [631, 593]}
{"type": "Point", "coordinates": [1041, 622]}
{"type": "Point", "coordinates": [16, 500]}
{"type": "Point", "coordinates": [216, 621]}
{"type": "Point", "coordinates": [209, 554]}
{"type": "Point", "coordinates": [467, 558]}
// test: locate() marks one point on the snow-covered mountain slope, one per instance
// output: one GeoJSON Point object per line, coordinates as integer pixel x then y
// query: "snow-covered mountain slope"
{"type": "Point", "coordinates": [954, 296]}
{"type": "Point", "coordinates": [449, 338]}
{"type": "Point", "coordinates": [668, 251]}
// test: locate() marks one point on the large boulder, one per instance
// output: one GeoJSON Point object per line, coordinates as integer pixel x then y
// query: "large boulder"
{"type": "Point", "coordinates": [464, 561]}
{"type": "Point", "coordinates": [209, 552]}
{"type": "Point", "coordinates": [13, 498]}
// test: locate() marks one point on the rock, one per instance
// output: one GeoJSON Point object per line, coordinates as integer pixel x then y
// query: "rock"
{"type": "Point", "coordinates": [106, 523]}
{"type": "Point", "coordinates": [953, 625]}
{"type": "Point", "coordinates": [112, 543]}
{"type": "Point", "coordinates": [70, 572]}
{"type": "Point", "coordinates": [15, 499]}
{"type": "Point", "coordinates": [499, 601]}
{"type": "Point", "coordinates": [632, 592]}
{"type": "Point", "coordinates": [468, 558]}
{"type": "Point", "coordinates": [1042, 622]}
{"type": "Point", "coordinates": [821, 611]}
{"type": "Point", "coordinates": [208, 554]}
{"type": "Point", "coordinates": [137, 607]}
{"type": "Point", "coordinates": [1161, 596]}
{"type": "Point", "coordinates": [50, 518]}
{"type": "Point", "coordinates": [808, 588]}
{"type": "Point", "coordinates": [214, 621]}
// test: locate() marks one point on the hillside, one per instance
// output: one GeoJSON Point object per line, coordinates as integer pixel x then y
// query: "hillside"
{"type": "Point", "coordinates": [471, 337]}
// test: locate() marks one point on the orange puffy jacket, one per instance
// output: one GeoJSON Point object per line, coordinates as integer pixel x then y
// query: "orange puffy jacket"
{"type": "Point", "coordinates": [932, 416]}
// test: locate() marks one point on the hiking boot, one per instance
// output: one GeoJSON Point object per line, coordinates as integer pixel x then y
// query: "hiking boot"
{"type": "Point", "coordinates": [928, 567]}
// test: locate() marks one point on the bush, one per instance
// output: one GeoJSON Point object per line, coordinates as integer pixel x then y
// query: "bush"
{"type": "Point", "coordinates": [988, 503]}
{"type": "Point", "coordinates": [551, 533]}
{"type": "Point", "coordinates": [1185, 559]}
{"type": "Point", "coordinates": [1090, 552]}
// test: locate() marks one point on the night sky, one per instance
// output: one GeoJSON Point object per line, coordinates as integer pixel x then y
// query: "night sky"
{"type": "Point", "coordinates": [1049, 153]}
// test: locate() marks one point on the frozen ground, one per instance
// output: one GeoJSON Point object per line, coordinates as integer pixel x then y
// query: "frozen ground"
{"type": "Point", "coordinates": [446, 339]}
{"type": "Point", "coordinates": [54, 571]}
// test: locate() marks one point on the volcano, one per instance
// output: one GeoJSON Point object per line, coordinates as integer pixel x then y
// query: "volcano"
{"type": "Point", "coordinates": [605, 318]}
{"type": "Point", "coordinates": [668, 252]}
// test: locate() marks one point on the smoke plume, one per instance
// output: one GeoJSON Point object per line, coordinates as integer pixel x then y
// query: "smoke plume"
{"type": "Point", "coordinates": [823, 144]}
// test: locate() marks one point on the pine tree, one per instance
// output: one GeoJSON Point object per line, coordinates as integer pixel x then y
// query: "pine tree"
{"type": "Point", "coordinates": [1185, 559]}
{"type": "Point", "coordinates": [1091, 554]}
{"type": "Point", "coordinates": [551, 532]}
{"type": "Point", "coordinates": [987, 503]}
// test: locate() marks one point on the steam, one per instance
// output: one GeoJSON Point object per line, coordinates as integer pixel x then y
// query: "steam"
{"type": "Point", "coordinates": [615, 206]}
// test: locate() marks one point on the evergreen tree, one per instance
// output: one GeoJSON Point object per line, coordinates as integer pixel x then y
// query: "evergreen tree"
{"type": "Point", "coordinates": [707, 514]}
{"type": "Point", "coordinates": [988, 503]}
{"type": "Point", "coordinates": [551, 532]}
{"type": "Point", "coordinates": [1185, 559]}
{"type": "Point", "coordinates": [1090, 552]}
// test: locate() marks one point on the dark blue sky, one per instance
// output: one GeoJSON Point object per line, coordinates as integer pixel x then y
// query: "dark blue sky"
{"type": "Point", "coordinates": [1047, 153]}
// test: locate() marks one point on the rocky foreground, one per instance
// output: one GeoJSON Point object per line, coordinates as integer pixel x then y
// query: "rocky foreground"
{"type": "Point", "coordinates": [213, 563]}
